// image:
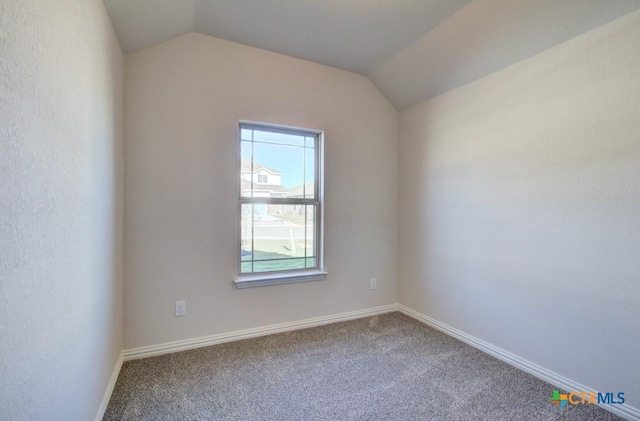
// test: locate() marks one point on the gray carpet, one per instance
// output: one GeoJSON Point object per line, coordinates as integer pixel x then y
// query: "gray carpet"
{"type": "Point", "coordinates": [387, 367]}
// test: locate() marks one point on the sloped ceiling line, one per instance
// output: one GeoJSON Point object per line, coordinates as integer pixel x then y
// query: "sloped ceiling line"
{"type": "Point", "coordinates": [412, 50]}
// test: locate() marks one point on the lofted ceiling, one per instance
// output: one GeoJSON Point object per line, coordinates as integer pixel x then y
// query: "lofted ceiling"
{"type": "Point", "coordinates": [411, 49]}
{"type": "Point", "coordinates": [354, 35]}
{"type": "Point", "coordinates": [486, 36]}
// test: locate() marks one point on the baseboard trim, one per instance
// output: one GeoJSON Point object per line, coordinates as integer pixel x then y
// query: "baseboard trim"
{"type": "Point", "coordinates": [177, 346]}
{"type": "Point", "coordinates": [109, 391]}
{"type": "Point", "coordinates": [542, 373]}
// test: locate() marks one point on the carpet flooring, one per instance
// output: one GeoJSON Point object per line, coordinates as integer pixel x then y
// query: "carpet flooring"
{"type": "Point", "coordinates": [387, 367]}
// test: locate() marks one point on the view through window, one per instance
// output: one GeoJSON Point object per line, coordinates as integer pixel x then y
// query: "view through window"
{"type": "Point", "coordinates": [279, 199]}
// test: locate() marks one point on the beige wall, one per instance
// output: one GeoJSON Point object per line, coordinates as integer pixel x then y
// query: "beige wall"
{"type": "Point", "coordinates": [61, 74]}
{"type": "Point", "coordinates": [183, 100]}
{"type": "Point", "coordinates": [520, 208]}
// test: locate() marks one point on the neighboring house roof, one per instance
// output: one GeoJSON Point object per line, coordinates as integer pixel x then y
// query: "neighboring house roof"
{"type": "Point", "coordinates": [299, 191]}
{"type": "Point", "coordinates": [246, 186]}
{"type": "Point", "coordinates": [246, 167]}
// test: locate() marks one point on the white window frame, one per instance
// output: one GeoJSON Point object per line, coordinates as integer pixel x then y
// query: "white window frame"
{"type": "Point", "coordinates": [255, 279]}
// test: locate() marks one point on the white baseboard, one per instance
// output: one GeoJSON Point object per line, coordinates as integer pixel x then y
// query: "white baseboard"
{"type": "Point", "coordinates": [107, 394]}
{"type": "Point", "coordinates": [170, 347]}
{"type": "Point", "coordinates": [542, 373]}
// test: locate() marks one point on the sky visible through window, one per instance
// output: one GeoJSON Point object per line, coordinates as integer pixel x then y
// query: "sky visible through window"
{"type": "Point", "coordinates": [284, 153]}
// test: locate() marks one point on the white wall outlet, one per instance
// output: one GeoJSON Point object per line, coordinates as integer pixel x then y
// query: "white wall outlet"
{"type": "Point", "coordinates": [374, 283]}
{"type": "Point", "coordinates": [181, 308]}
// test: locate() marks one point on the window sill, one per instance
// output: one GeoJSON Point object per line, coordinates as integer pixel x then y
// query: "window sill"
{"type": "Point", "coordinates": [279, 278]}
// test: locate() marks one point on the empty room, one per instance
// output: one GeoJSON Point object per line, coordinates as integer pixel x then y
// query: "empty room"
{"type": "Point", "coordinates": [319, 210]}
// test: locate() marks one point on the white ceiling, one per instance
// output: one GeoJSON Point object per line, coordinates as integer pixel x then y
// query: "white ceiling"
{"type": "Point", "coordinates": [486, 36]}
{"type": "Point", "coordinates": [411, 49]}
{"type": "Point", "coordinates": [354, 35]}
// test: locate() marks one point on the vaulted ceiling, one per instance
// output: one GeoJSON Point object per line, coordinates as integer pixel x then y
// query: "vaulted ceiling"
{"type": "Point", "coordinates": [411, 49]}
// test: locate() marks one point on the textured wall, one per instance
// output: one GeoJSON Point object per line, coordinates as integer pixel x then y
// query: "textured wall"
{"type": "Point", "coordinates": [520, 208]}
{"type": "Point", "coordinates": [61, 74]}
{"type": "Point", "coordinates": [183, 100]}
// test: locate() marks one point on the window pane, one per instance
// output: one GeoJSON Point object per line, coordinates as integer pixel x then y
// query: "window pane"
{"type": "Point", "coordinates": [246, 237]}
{"type": "Point", "coordinates": [278, 265]}
{"type": "Point", "coordinates": [277, 245]}
{"type": "Point", "coordinates": [245, 169]}
{"type": "Point", "coordinates": [272, 170]}
{"type": "Point", "coordinates": [277, 236]}
{"type": "Point", "coordinates": [310, 142]}
{"type": "Point", "coordinates": [282, 167]}
{"type": "Point", "coordinates": [310, 230]}
{"type": "Point", "coordinates": [309, 173]}
{"type": "Point", "coordinates": [282, 138]}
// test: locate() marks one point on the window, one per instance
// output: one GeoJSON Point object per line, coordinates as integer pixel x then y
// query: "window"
{"type": "Point", "coordinates": [280, 221]}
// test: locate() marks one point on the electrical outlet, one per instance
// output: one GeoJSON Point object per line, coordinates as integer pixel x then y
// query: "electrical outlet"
{"type": "Point", "coordinates": [181, 308]}
{"type": "Point", "coordinates": [374, 283]}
